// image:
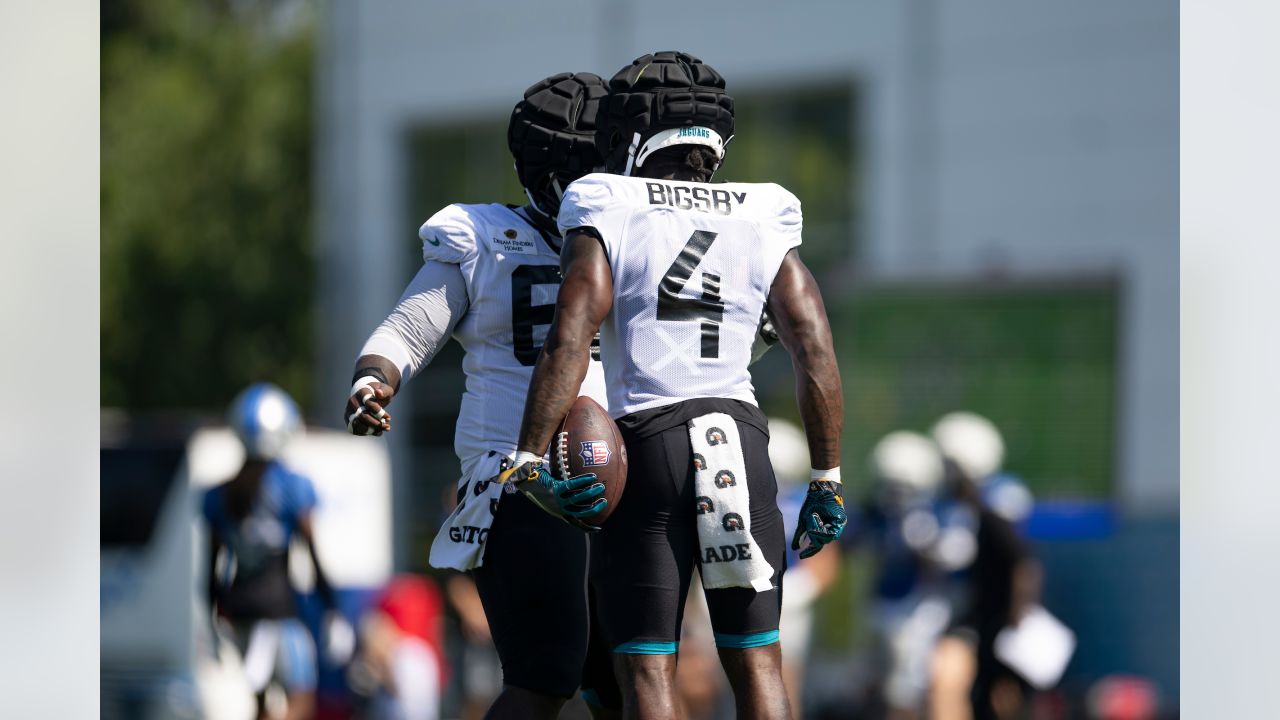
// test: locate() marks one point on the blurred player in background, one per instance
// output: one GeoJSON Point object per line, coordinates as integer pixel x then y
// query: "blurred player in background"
{"type": "Point", "coordinates": [1004, 582]}
{"type": "Point", "coordinates": [676, 351]}
{"type": "Point", "coordinates": [401, 663]}
{"type": "Point", "coordinates": [252, 520]}
{"type": "Point", "coordinates": [910, 607]}
{"type": "Point", "coordinates": [475, 659]}
{"type": "Point", "coordinates": [806, 580]}
{"type": "Point", "coordinates": [489, 279]}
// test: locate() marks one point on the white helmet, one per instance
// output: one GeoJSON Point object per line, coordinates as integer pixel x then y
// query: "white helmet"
{"type": "Point", "coordinates": [909, 461]}
{"type": "Point", "coordinates": [788, 451]}
{"type": "Point", "coordinates": [265, 418]}
{"type": "Point", "coordinates": [972, 442]}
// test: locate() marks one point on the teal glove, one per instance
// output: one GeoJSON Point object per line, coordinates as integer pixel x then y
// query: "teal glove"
{"type": "Point", "coordinates": [822, 517]}
{"type": "Point", "coordinates": [574, 500]}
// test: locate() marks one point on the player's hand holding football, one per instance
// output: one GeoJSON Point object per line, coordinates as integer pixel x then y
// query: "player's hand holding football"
{"type": "Point", "coordinates": [366, 411]}
{"type": "Point", "coordinates": [575, 500]}
{"type": "Point", "coordinates": [822, 516]}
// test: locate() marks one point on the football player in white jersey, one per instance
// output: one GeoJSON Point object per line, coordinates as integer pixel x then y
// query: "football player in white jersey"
{"type": "Point", "coordinates": [489, 279]}
{"type": "Point", "coordinates": [676, 272]}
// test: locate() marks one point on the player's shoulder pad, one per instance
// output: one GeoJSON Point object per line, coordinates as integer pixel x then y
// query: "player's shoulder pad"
{"type": "Point", "coordinates": [451, 234]}
{"type": "Point", "coordinates": [788, 218]}
{"type": "Point", "coordinates": [585, 199]}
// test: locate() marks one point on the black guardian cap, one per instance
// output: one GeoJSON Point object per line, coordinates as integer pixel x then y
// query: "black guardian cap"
{"type": "Point", "coordinates": [659, 100]}
{"type": "Point", "coordinates": [552, 136]}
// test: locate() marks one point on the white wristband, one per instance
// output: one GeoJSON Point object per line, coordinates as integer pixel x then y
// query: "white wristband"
{"type": "Point", "coordinates": [523, 457]}
{"type": "Point", "coordinates": [363, 382]}
{"type": "Point", "coordinates": [832, 475]}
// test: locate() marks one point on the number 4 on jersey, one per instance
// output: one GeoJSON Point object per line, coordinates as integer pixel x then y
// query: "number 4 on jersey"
{"type": "Point", "coordinates": [709, 308]}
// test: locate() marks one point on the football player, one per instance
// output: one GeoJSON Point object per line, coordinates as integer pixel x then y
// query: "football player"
{"type": "Point", "coordinates": [1003, 584]}
{"type": "Point", "coordinates": [489, 279]}
{"type": "Point", "coordinates": [252, 519]}
{"type": "Point", "coordinates": [679, 272]}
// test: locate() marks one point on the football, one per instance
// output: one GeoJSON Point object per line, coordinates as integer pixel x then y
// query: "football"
{"type": "Point", "coordinates": [588, 441]}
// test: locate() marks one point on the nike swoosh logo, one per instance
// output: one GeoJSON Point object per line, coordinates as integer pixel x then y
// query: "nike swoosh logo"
{"type": "Point", "coordinates": [433, 241]}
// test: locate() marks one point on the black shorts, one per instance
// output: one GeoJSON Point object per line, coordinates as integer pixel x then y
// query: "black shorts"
{"type": "Point", "coordinates": [642, 561]}
{"type": "Point", "coordinates": [533, 587]}
{"type": "Point", "coordinates": [600, 688]}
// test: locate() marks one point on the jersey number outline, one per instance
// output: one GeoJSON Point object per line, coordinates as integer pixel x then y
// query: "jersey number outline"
{"type": "Point", "coordinates": [524, 314]}
{"type": "Point", "coordinates": [709, 308]}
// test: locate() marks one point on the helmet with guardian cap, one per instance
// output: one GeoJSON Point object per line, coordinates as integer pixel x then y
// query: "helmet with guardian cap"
{"type": "Point", "coordinates": [661, 100]}
{"type": "Point", "coordinates": [552, 136]}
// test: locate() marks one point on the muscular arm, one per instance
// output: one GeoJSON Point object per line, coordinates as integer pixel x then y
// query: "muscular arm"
{"type": "Point", "coordinates": [586, 295]}
{"type": "Point", "coordinates": [795, 305]}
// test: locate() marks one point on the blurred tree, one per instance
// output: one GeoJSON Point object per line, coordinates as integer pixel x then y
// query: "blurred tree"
{"type": "Point", "coordinates": [206, 201]}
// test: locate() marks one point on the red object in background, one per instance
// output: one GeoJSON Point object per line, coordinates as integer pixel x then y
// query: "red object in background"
{"type": "Point", "coordinates": [1123, 697]}
{"type": "Point", "coordinates": [415, 605]}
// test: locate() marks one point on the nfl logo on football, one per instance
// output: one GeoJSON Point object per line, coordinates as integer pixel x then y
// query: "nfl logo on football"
{"type": "Point", "coordinates": [595, 452]}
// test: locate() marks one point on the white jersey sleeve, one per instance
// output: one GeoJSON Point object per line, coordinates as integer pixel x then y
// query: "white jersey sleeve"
{"type": "Point", "coordinates": [787, 224]}
{"type": "Point", "coordinates": [422, 320]}
{"type": "Point", "coordinates": [450, 236]}
{"type": "Point", "coordinates": [587, 203]}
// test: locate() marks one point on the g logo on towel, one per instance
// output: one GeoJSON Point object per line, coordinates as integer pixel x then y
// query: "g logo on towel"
{"type": "Point", "coordinates": [705, 505]}
{"type": "Point", "coordinates": [699, 462]}
{"type": "Point", "coordinates": [732, 522]}
{"type": "Point", "coordinates": [716, 436]}
{"type": "Point", "coordinates": [724, 479]}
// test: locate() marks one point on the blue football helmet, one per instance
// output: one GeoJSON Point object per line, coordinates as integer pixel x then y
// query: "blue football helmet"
{"type": "Point", "coordinates": [265, 419]}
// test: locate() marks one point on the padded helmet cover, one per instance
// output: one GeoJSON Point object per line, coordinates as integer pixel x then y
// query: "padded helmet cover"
{"type": "Point", "coordinates": [551, 135]}
{"type": "Point", "coordinates": [658, 92]}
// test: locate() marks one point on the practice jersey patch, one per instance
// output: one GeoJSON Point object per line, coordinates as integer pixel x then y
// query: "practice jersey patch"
{"type": "Point", "coordinates": [513, 241]}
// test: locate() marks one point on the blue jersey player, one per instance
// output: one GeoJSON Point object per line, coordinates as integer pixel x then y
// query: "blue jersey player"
{"type": "Point", "coordinates": [252, 520]}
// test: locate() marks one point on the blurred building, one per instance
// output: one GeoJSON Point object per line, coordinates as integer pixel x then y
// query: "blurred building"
{"type": "Point", "coordinates": [1011, 159]}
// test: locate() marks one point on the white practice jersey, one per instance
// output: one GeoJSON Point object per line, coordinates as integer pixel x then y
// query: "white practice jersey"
{"type": "Point", "coordinates": [692, 266]}
{"type": "Point", "coordinates": [512, 275]}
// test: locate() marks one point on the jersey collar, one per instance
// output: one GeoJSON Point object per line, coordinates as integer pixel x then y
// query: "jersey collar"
{"type": "Point", "coordinates": [540, 222]}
